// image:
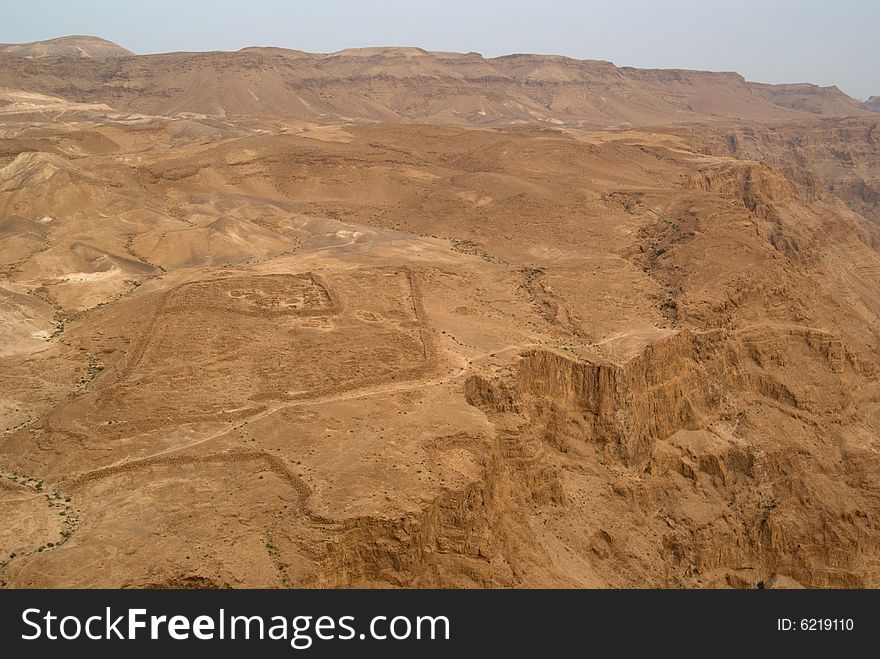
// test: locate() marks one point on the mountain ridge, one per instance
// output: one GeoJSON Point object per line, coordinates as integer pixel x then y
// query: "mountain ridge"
{"type": "Point", "coordinates": [412, 84]}
{"type": "Point", "coordinates": [77, 45]}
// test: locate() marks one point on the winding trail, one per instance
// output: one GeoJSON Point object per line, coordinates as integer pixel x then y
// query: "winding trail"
{"type": "Point", "coordinates": [368, 392]}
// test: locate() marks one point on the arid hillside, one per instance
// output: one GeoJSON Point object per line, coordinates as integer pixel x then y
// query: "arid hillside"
{"type": "Point", "coordinates": [827, 159]}
{"type": "Point", "coordinates": [77, 47]}
{"type": "Point", "coordinates": [410, 84]}
{"type": "Point", "coordinates": [823, 101]}
{"type": "Point", "coordinates": [275, 344]}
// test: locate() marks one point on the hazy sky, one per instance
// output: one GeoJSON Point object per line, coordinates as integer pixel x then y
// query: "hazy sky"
{"type": "Point", "coordinates": [825, 42]}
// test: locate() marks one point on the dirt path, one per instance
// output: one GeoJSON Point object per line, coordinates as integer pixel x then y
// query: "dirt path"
{"type": "Point", "coordinates": [368, 392]}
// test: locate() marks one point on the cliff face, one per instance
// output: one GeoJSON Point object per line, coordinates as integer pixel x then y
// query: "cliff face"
{"type": "Point", "coordinates": [625, 409]}
{"type": "Point", "coordinates": [666, 419]}
{"type": "Point", "coordinates": [836, 158]}
{"type": "Point", "coordinates": [817, 100]}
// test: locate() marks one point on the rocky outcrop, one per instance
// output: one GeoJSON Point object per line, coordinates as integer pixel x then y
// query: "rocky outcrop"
{"type": "Point", "coordinates": [623, 408]}
{"type": "Point", "coordinates": [831, 157]}
{"type": "Point", "coordinates": [650, 415]}
{"type": "Point", "coordinates": [755, 184]}
{"type": "Point", "coordinates": [458, 539]}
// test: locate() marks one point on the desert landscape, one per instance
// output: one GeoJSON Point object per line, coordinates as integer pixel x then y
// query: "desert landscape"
{"type": "Point", "coordinates": [388, 317]}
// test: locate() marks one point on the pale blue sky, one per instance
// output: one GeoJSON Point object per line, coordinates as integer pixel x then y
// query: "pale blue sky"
{"type": "Point", "coordinates": [825, 42]}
